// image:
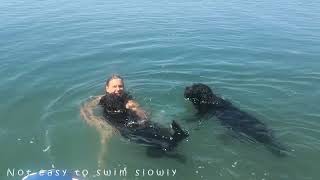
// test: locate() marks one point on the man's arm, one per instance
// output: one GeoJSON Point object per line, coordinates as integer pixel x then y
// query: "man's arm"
{"type": "Point", "coordinates": [104, 129]}
{"type": "Point", "coordinates": [86, 112]}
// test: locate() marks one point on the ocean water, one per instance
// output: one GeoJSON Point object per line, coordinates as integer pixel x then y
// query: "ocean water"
{"type": "Point", "coordinates": [261, 55]}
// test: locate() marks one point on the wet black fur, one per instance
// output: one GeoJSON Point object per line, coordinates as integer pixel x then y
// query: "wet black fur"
{"type": "Point", "coordinates": [128, 124]}
{"type": "Point", "coordinates": [205, 101]}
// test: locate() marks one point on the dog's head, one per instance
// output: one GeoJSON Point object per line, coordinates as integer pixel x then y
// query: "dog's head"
{"type": "Point", "coordinates": [200, 94]}
{"type": "Point", "coordinates": [113, 104]}
{"type": "Point", "coordinates": [114, 107]}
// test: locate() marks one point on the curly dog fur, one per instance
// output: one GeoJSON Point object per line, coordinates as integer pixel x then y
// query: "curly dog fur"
{"type": "Point", "coordinates": [128, 124]}
{"type": "Point", "coordinates": [205, 101]}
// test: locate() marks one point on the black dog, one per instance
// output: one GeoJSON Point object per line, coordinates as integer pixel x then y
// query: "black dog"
{"type": "Point", "coordinates": [205, 101]}
{"type": "Point", "coordinates": [137, 130]}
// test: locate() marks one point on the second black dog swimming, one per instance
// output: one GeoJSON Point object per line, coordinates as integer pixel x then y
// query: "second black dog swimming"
{"type": "Point", "coordinates": [137, 130]}
{"type": "Point", "coordinates": [205, 101]}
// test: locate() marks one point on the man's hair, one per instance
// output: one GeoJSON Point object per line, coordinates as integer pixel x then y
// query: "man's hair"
{"type": "Point", "coordinates": [113, 76]}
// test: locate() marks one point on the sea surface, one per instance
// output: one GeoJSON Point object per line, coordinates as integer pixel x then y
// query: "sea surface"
{"type": "Point", "coordinates": [264, 56]}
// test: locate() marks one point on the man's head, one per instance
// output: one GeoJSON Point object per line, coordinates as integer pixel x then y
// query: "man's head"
{"type": "Point", "coordinates": [115, 85]}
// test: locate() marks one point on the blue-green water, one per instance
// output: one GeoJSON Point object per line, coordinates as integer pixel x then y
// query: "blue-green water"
{"type": "Point", "coordinates": [262, 55]}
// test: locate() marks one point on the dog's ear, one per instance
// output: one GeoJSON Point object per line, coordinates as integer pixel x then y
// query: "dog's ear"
{"type": "Point", "coordinates": [102, 101]}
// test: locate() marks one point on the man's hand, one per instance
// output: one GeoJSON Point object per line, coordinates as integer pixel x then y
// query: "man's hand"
{"type": "Point", "coordinates": [134, 106]}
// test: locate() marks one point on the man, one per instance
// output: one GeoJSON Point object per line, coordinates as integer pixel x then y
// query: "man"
{"type": "Point", "coordinates": [115, 85]}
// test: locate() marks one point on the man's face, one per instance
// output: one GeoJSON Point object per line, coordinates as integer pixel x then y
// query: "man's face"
{"type": "Point", "coordinates": [115, 86]}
